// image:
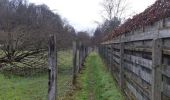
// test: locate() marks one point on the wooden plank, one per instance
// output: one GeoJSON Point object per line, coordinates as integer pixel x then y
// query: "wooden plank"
{"type": "Point", "coordinates": [140, 36]}
{"type": "Point", "coordinates": [116, 46]}
{"type": "Point", "coordinates": [166, 43]}
{"type": "Point", "coordinates": [135, 92]}
{"type": "Point", "coordinates": [166, 71]}
{"type": "Point", "coordinates": [146, 88]}
{"type": "Point", "coordinates": [166, 51]}
{"type": "Point", "coordinates": [52, 86]}
{"type": "Point", "coordinates": [156, 68]}
{"type": "Point", "coordinates": [140, 49]}
{"type": "Point", "coordinates": [117, 60]}
{"type": "Point", "coordinates": [115, 64]}
{"type": "Point", "coordinates": [166, 89]}
{"type": "Point", "coordinates": [139, 44]}
{"type": "Point", "coordinates": [164, 33]}
{"type": "Point", "coordinates": [117, 53]}
{"type": "Point", "coordinates": [139, 60]}
{"type": "Point", "coordinates": [139, 72]}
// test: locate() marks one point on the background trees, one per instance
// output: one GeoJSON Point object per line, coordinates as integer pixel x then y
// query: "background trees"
{"type": "Point", "coordinates": [112, 14]}
{"type": "Point", "coordinates": [84, 37]}
{"type": "Point", "coordinates": [25, 27]}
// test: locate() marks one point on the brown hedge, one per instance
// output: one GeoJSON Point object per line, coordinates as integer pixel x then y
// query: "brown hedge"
{"type": "Point", "coordinates": [159, 10]}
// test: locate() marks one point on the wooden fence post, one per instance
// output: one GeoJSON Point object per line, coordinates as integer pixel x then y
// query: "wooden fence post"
{"type": "Point", "coordinates": [74, 62]}
{"type": "Point", "coordinates": [122, 46]}
{"type": "Point", "coordinates": [156, 69]}
{"type": "Point", "coordinates": [52, 86]}
{"type": "Point", "coordinates": [80, 56]}
{"type": "Point", "coordinates": [111, 59]}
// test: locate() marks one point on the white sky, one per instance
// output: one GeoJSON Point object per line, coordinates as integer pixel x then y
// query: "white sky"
{"type": "Point", "coordinates": [82, 14]}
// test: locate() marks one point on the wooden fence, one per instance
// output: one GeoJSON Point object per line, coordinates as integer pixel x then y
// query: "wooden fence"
{"type": "Point", "coordinates": [140, 61]}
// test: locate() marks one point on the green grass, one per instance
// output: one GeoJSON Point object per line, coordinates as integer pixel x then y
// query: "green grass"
{"type": "Point", "coordinates": [36, 87]}
{"type": "Point", "coordinates": [65, 73]}
{"type": "Point", "coordinates": [20, 88]}
{"type": "Point", "coordinates": [96, 82]}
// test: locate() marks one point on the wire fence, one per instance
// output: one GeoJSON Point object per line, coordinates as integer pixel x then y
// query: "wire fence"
{"type": "Point", "coordinates": [29, 78]}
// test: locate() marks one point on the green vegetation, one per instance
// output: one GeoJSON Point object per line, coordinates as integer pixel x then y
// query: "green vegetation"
{"type": "Point", "coordinates": [21, 88]}
{"type": "Point", "coordinates": [36, 87]}
{"type": "Point", "coordinates": [65, 73]}
{"type": "Point", "coordinates": [96, 83]}
{"type": "Point", "coordinates": [93, 83]}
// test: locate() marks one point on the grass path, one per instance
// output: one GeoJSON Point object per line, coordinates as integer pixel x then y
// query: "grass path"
{"type": "Point", "coordinates": [95, 83]}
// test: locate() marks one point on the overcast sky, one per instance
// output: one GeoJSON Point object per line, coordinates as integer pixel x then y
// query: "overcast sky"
{"type": "Point", "coordinates": [82, 14]}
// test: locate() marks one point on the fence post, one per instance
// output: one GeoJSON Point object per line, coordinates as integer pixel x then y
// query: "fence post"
{"type": "Point", "coordinates": [111, 59]}
{"type": "Point", "coordinates": [122, 46]}
{"type": "Point", "coordinates": [74, 62]}
{"type": "Point", "coordinates": [80, 56]}
{"type": "Point", "coordinates": [156, 69]}
{"type": "Point", "coordinates": [52, 86]}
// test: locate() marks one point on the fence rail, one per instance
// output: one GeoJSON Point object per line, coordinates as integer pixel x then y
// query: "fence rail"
{"type": "Point", "coordinates": [140, 61]}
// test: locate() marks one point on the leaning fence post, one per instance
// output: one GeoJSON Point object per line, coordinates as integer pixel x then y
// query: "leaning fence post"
{"type": "Point", "coordinates": [156, 69]}
{"type": "Point", "coordinates": [74, 62]}
{"type": "Point", "coordinates": [52, 87]}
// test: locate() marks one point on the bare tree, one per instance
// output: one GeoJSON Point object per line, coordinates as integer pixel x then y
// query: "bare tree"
{"type": "Point", "coordinates": [114, 8]}
{"type": "Point", "coordinates": [113, 14]}
{"type": "Point", "coordinates": [24, 30]}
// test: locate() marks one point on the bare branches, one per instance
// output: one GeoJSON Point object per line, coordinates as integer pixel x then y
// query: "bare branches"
{"type": "Point", "coordinates": [114, 8]}
{"type": "Point", "coordinates": [24, 30]}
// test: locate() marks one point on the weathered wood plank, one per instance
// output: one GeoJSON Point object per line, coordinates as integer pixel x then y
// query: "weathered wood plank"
{"type": "Point", "coordinates": [166, 89]}
{"type": "Point", "coordinates": [139, 60]}
{"type": "Point", "coordinates": [166, 71]}
{"type": "Point", "coordinates": [139, 49]}
{"type": "Point", "coordinates": [139, 44]}
{"type": "Point", "coordinates": [166, 43]}
{"type": "Point", "coordinates": [139, 82]}
{"type": "Point", "coordinates": [164, 33]}
{"type": "Point", "coordinates": [136, 92]}
{"type": "Point", "coordinates": [117, 60]}
{"type": "Point", "coordinates": [166, 51]}
{"type": "Point", "coordinates": [139, 72]}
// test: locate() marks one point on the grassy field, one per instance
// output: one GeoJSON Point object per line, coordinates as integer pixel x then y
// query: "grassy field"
{"type": "Point", "coordinates": [20, 88]}
{"type": "Point", "coordinates": [36, 87]}
{"type": "Point", "coordinates": [95, 83]}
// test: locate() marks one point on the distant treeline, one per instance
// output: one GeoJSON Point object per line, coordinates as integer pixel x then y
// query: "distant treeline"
{"type": "Point", "coordinates": [23, 24]}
